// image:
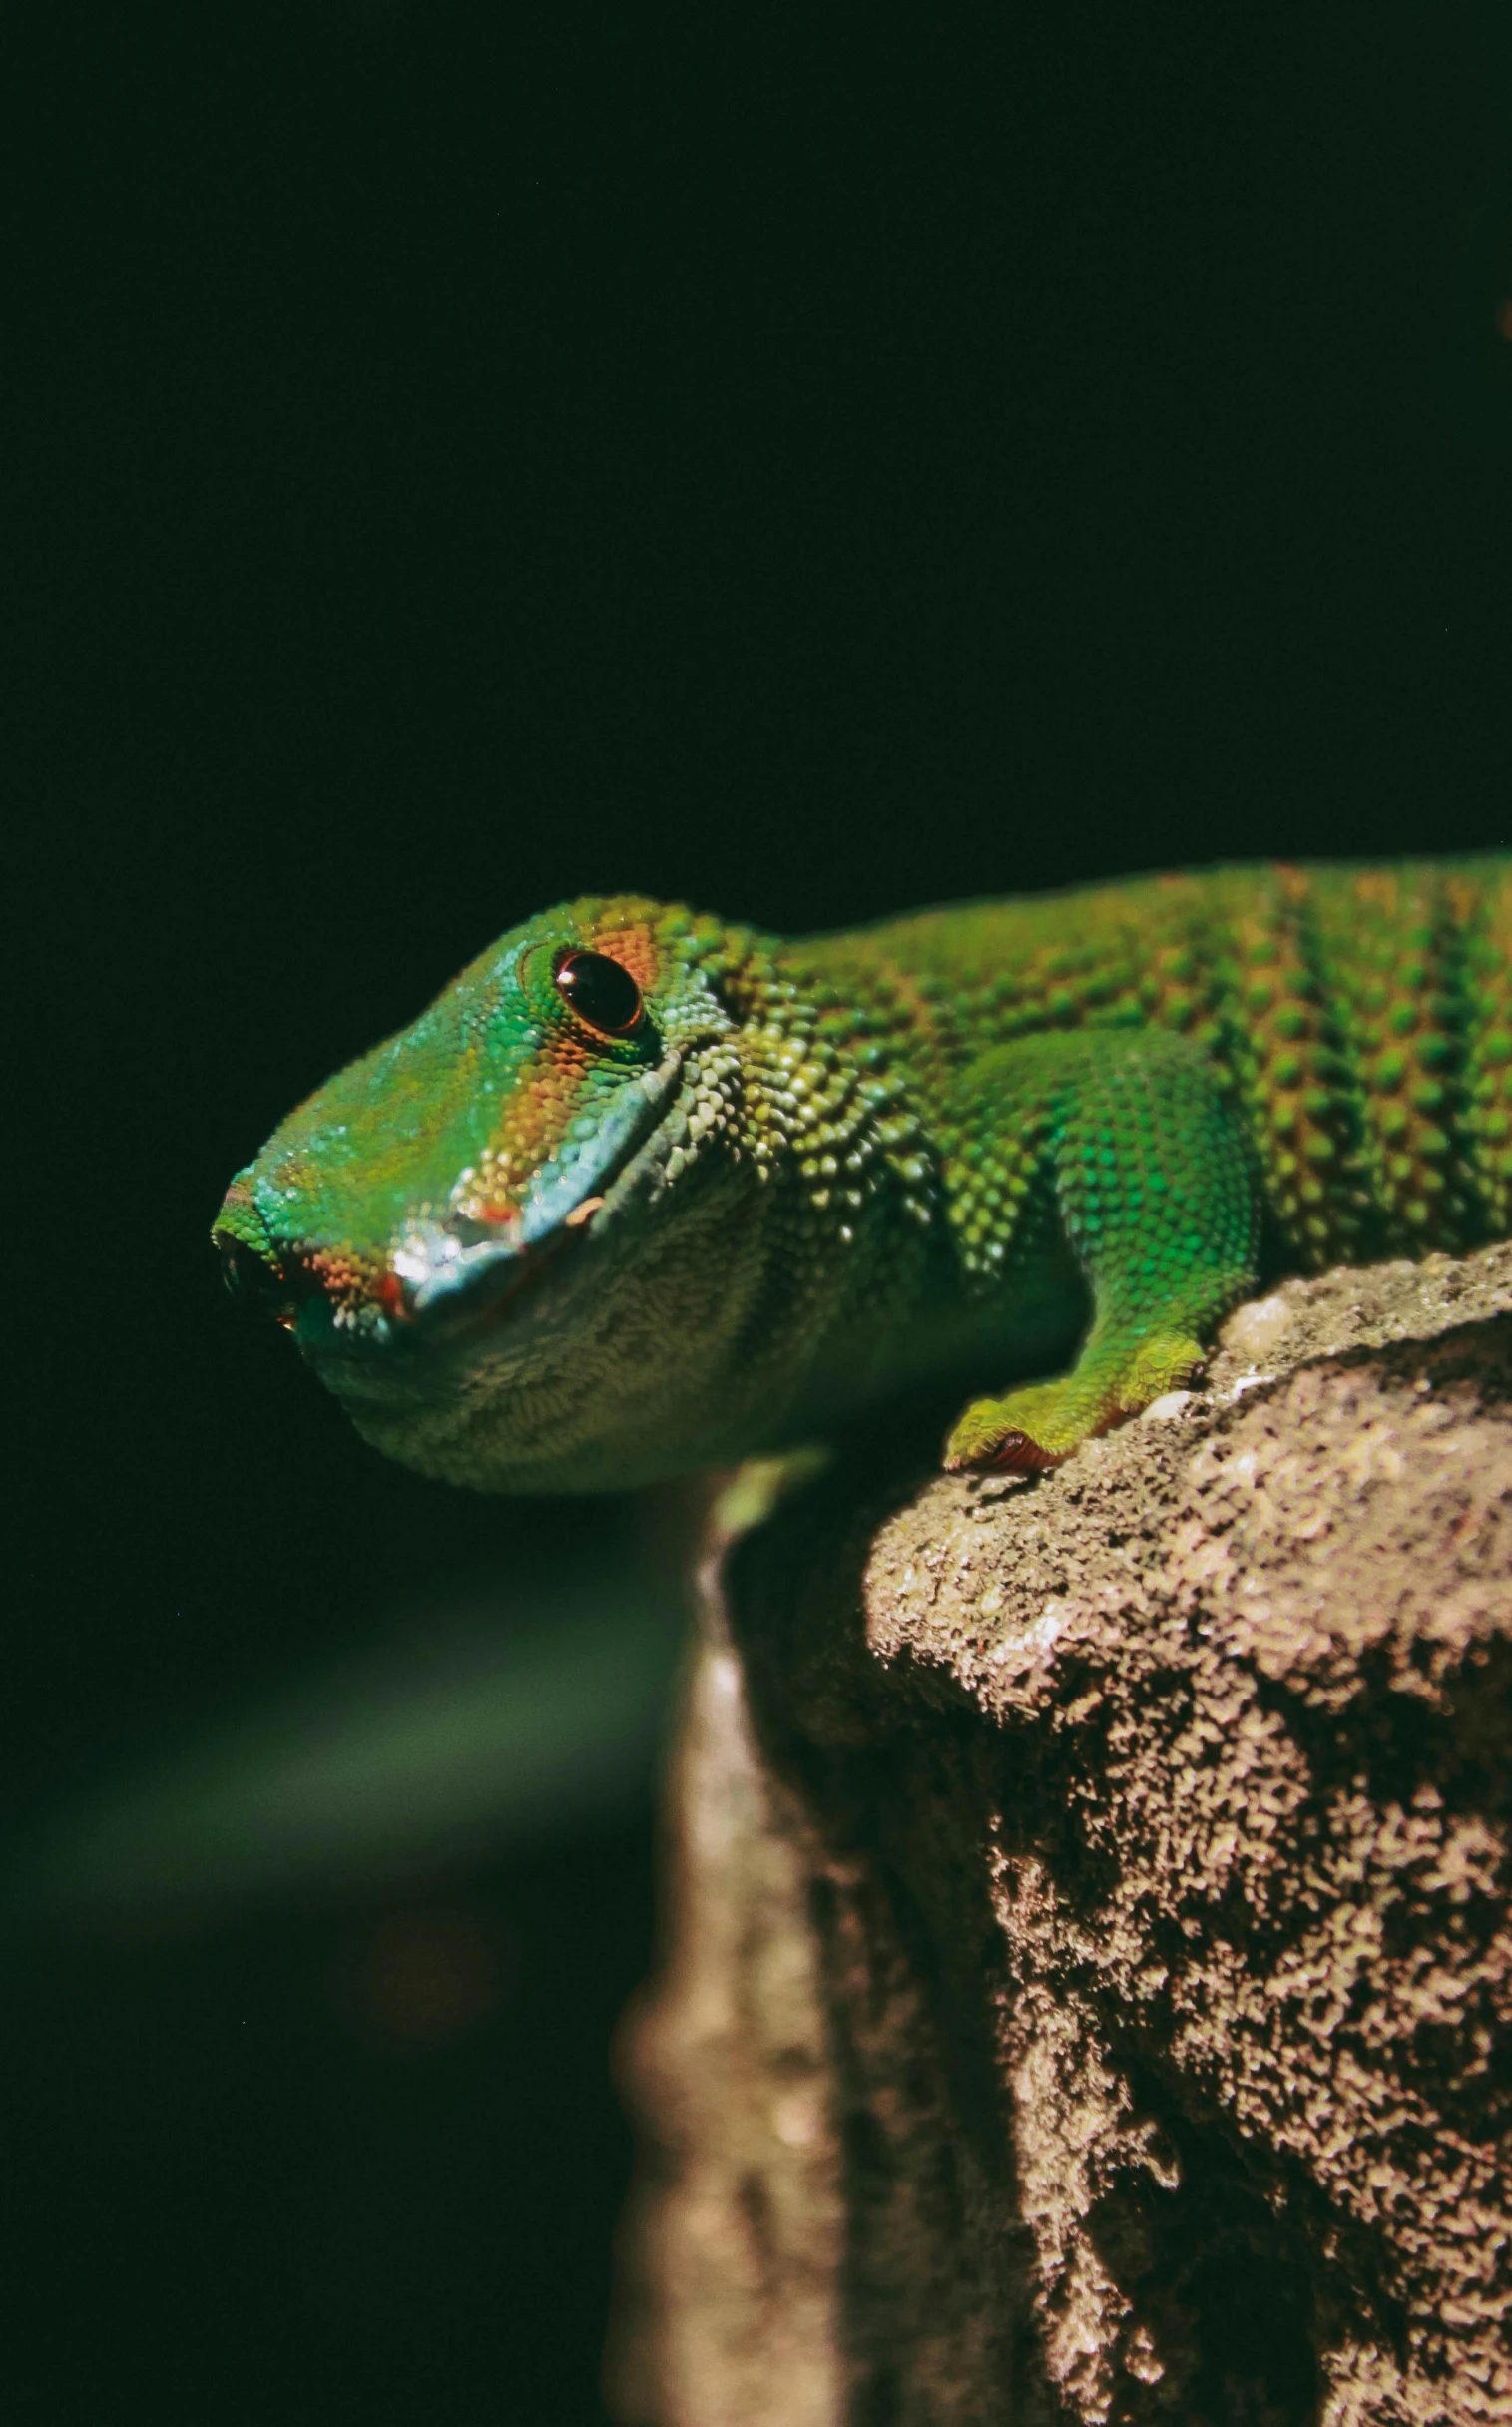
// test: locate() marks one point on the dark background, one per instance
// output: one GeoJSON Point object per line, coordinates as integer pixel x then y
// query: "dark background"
{"type": "Point", "coordinates": [457, 457]}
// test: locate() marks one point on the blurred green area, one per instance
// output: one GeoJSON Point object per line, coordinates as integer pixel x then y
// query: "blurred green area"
{"type": "Point", "coordinates": [457, 1736]}
{"type": "Point", "coordinates": [308, 2016]}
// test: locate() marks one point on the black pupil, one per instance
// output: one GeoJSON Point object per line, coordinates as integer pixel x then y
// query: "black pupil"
{"type": "Point", "coordinates": [600, 991]}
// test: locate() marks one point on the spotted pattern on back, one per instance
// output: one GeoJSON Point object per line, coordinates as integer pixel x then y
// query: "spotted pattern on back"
{"type": "Point", "coordinates": [1362, 1017]}
{"type": "Point", "coordinates": [1483, 915]}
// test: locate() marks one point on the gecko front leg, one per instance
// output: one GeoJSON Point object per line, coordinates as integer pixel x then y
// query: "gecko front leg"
{"type": "Point", "coordinates": [1133, 1137]}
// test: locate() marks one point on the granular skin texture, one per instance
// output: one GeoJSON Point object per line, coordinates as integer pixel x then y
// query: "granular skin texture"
{"type": "Point", "coordinates": [791, 1179]}
{"type": "Point", "coordinates": [1151, 1819]}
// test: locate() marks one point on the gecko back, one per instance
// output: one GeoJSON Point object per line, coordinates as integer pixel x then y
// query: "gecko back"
{"type": "Point", "coordinates": [1362, 1016]}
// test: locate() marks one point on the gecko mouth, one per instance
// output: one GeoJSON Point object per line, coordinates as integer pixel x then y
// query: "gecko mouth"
{"type": "Point", "coordinates": [455, 1280]}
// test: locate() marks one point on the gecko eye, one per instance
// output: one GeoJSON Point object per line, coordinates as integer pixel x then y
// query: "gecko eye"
{"type": "Point", "coordinates": [600, 991]}
{"type": "Point", "coordinates": [256, 1284]}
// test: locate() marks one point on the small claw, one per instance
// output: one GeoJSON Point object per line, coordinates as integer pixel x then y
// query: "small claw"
{"type": "Point", "coordinates": [1017, 1453]}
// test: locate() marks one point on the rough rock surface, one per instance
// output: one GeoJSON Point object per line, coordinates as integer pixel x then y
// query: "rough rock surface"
{"type": "Point", "coordinates": [1089, 1973]}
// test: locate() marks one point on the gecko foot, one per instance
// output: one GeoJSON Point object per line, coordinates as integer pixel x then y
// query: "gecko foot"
{"type": "Point", "coordinates": [1037, 1428]}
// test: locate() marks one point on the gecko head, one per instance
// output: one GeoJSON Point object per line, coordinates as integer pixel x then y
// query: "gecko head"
{"type": "Point", "coordinates": [468, 1231]}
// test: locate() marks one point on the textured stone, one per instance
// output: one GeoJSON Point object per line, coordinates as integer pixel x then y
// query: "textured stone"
{"type": "Point", "coordinates": [1115, 1866]}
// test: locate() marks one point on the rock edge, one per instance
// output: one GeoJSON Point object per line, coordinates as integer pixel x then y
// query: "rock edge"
{"type": "Point", "coordinates": [1089, 1969]}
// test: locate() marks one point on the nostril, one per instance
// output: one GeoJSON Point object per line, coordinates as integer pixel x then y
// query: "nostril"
{"type": "Point", "coordinates": [256, 1283]}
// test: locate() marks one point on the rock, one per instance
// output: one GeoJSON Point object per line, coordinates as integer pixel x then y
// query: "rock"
{"type": "Point", "coordinates": [1089, 1974]}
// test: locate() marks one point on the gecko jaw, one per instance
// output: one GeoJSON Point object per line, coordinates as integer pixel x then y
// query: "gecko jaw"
{"type": "Point", "coordinates": [454, 1281]}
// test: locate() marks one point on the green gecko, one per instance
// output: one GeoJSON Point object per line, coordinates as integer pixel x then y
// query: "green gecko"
{"type": "Point", "coordinates": [643, 1192]}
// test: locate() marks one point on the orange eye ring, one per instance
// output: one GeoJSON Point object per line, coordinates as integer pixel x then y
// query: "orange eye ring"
{"type": "Point", "coordinates": [601, 992]}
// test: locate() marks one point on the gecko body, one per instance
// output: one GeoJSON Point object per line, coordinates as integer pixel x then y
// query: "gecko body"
{"type": "Point", "coordinates": [643, 1190]}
